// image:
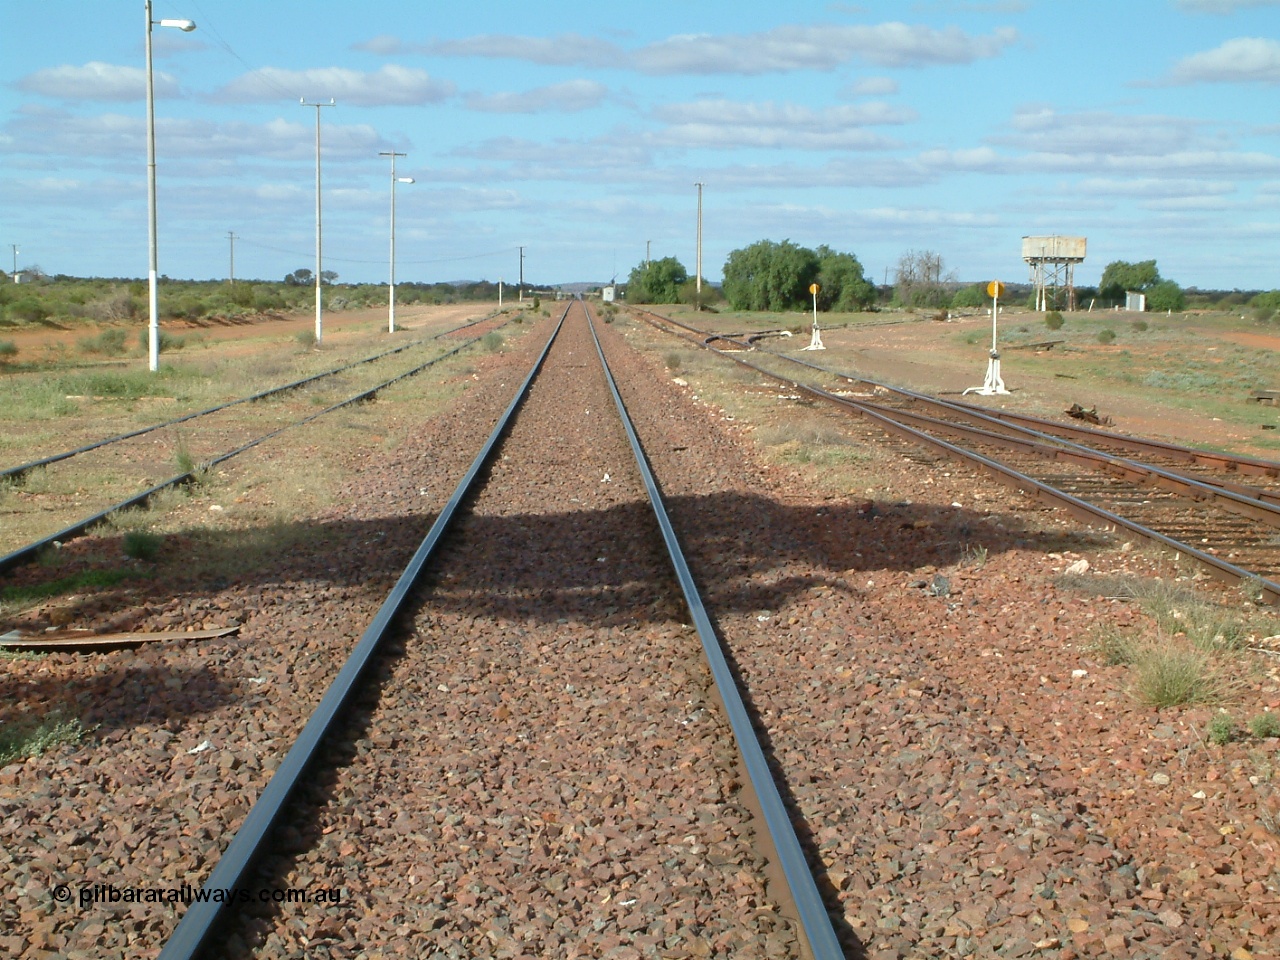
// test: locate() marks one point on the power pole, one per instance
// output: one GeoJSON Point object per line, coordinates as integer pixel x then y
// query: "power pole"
{"type": "Point", "coordinates": [521, 287]}
{"type": "Point", "coordinates": [232, 237]}
{"type": "Point", "coordinates": [319, 323]}
{"type": "Point", "coordinates": [647, 244]}
{"type": "Point", "coordinates": [699, 259]}
{"type": "Point", "coordinates": [15, 262]}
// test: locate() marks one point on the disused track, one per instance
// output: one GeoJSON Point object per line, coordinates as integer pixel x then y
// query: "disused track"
{"type": "Point", "coordinates": [1230, 529]}
{"type": "Point", "coordinates": [217, 432]}
{"type": "Point", "coordinates": [620, 763]}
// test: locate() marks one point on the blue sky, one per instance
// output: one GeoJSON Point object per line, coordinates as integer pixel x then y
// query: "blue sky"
{"type": "Point", "coordinates": [578, 130]}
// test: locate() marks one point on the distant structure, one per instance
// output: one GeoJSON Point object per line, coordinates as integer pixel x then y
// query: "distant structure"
{"type": "Point", "coordinates": [608, 293]}
{"type": "Point", "coordinates": [1053, 266]}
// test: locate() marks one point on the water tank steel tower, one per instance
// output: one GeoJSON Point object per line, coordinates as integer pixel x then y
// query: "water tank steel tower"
{"type": "Point", "coordinates": [1053, 263]}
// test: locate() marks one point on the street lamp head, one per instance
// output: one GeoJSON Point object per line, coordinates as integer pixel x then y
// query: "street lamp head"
{"type": "Point", "coordinates": [186, 26]}
{"type": "Point", "coordinates": [405, 180]}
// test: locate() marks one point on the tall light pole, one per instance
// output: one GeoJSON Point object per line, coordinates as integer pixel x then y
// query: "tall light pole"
{"type": "Point", "coordinates": [391, 295]}
{"type": "Point", "coordinates": [15, 262]}
{"type": "Point", "coordinates": [232, 276]}
{"type": "Point", "coordinates": [153, 327]}
{"type": "Point", "coordinates": [319, 322]}
{"type": "Point", "coordinates": [698, 268]}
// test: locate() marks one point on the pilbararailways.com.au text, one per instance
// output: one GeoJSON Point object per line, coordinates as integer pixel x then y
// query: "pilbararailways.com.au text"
{"type": "Point", "coordinates": [187, 894]}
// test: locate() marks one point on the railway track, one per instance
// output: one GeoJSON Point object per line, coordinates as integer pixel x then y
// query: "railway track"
{"type": "Point", "coordinates": [1227, 527]}
{"type": "Point", "coordinates": [934, 828]}
{"type": "Point", "coordinates": [616, 843]}
{"type": "Point", "coordinates": [128, 459]}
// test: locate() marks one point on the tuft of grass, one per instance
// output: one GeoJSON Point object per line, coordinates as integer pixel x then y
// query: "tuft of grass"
{"type": "Point", "coordinates": [673, 360]}
{"type": "Point", "coordinates": [21, 739]}
{"type": "Point", "coordinates": [1106, 335]}
{"type": "Point", "coordinates": [1221, 728]}
{"type": "Point", "coordinates": [142, 544]}
{"type": "Point", "coordinates": [1053, 320]}
{"type": "Point", "coordinates": [1166, 675]}
{"type": "Point", "coordinates": [492, 341]}
{"type": "Point", "coordinates": [1114, 648]}
{"type": "Point", "coordinates": [973, 556]}
{"type": "Point", "coordinates": [306, 339]}
{"type": "Point", "coordinates": [1265, 726]}
{"type": "Point", "coordinates": [8, 350]}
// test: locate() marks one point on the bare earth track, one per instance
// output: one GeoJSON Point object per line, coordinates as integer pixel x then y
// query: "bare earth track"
{"type": "Point", "coordinates": [972, 780]}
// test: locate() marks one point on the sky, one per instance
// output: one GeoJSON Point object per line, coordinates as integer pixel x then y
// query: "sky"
{"type": "Point", "coordinates": [578, 130]}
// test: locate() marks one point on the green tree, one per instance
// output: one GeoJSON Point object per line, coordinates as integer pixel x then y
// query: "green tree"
{"type": "Point", "coordinates": [971, 296]}
{"type": "Point", "coordinates": [299, 278]}
{"type": "Point", "coordinates": [843, 288]}
{"type": "Point", "coordinates": [769, 276]}
{"type": "Point", "coordinates": [1121, 276]}
{"type": "Point", "coordinates": [657, 281]}
{"type": "Point", "coordinates": [1166, 295]}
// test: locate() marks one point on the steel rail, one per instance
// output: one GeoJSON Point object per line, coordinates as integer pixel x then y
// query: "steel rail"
{"type": "Point", "coordinates": [25, 468]}
{"type": "Point", "coordinates": [815, 923]}
{"type": "Point", "coordinates": [29, 552]}
{"type": "Point", "coordinates": [199, 922]}
{"type": "Point", "coordinates": [1081, 509]}
{"type": "Point", "coordinates": [1245, 504]}
{"type": "Point", "coordinates": [1228, 462]}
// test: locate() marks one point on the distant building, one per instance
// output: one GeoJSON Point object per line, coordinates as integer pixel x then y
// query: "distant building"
{"type": "Point", "coordinates": [1135, 302]}
{"type": "Point", "coordinates": [607, 294]}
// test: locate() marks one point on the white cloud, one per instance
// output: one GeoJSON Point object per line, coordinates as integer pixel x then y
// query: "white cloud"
{"type": "Point", "coordinates": [791, 48]}
{"type": "Point", "coordinates": [42, 132]}
{"type": "Point", "coordinates": [1242, 60]}
{"type": "Point", "coordinates": [782, 49]}
{"type": "Point", "coordinates": [1154, 188]}
{"type": "Point", "coordinates": [568, 97]}
{"type": "Point", "coordinates": [871, 87]}
{"type": "Point", "coordinates": [723, 123]}
{"type": "Point", "coordinates": [97, 81]}
{"type": "Point", "coordinates": [1223, 6]}
{"type": "Point", "coordinates": [565, 50]}
{"type": "Point", "coordinates": [1042, 129]}
{"type": "Point", "coordinates": [392, 85]}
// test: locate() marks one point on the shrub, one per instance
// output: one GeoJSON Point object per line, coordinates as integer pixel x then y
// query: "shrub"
{"type": "Point", "coordinates": [1139, 325]}
{"type": "Point", "coordinates": [8, 350]}
{"type": "Point", "coordinates": [1053, 320]}
{"type": "Point", "coordinates": [110, 343]}
{"type": "Point", "coordinates": [1265, 725]}
{"type": "Point", "coordinates": [306, 339]}
{"type": "Point", "coordinates": [1106, 335]}
{"type": "Point", "coordinates": [491, 341]}
{"type": "Point", "coordinates": [1221, 728]}
{"type": "Point", "coordinates": [142, 544]}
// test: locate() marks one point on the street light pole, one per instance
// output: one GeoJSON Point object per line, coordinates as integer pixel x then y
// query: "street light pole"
{"type": "Point", "coordinates": [698, 268]}
{"type": "Point", "coordinates": [319, 321]}
{"type": "Point", "coordinates": [153, 299]}
{"type": "Point", "coordinates": [391, 293]}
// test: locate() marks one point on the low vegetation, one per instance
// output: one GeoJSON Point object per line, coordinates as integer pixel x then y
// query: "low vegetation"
{"type": "Point", "coordinates": [27, 737]}
{"type": "Point", "coordinates": [1191, 656]}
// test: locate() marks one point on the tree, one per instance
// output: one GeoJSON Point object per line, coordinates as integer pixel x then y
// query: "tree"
{"type": "Point", "coordinates": [657, 281]}
{"type": "Point", "coordinates": [971, 296]}
{"type": "Point", "coordinates": [299, 278]}
{"type": "Point", "coordinates": [920, 281]}
{"type": "Point", "coordinates": [1120, 277]}
{"type": "Point", "coordinates": [843, 288]}
{"type": "Point", "coordinates": [1166, 295]}
{"type": "Point", "coordinates": [328, 276]}
{"type": "Point", "coordinates": [769, 276]}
